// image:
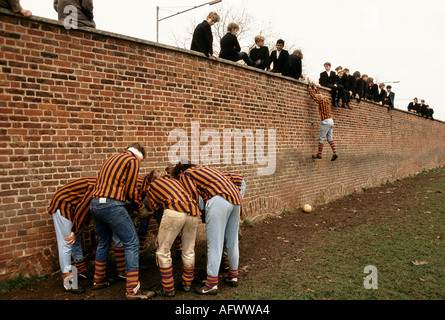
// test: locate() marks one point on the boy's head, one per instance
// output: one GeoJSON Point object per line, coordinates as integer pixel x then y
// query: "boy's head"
{"type": "Point", "coordinates": [156, 174]}
{"type": "Point", "coordinates": [299, 53]}
{"type": "Point", "coordinates": [280, 44]}
{"type": "Point", "coordinates": [388, 88]}
{"type": "Point", "coordinates": [365, 77]}
{"type": "Point", "coordinates": [340, 72]}
{"type": "Point", "coordinates": [356, 75]}
{"type": "Point", "coordinates": [382, 86]}
{"type": "Point", "coordinates": [213, 18]}
{"type": "Point", "coordinates": [233, 28]}
{"type": "Point", "coordinates": [138, 149]}
{"type": "Point", "coordinates": [259, 41]}
{"type": "Point", "coordinates": [179, 168]}
{"type": "Point", "coordinates": [327, 66]}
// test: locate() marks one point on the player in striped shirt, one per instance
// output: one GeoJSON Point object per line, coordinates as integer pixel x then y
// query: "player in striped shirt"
{"type": "Point", "coordinates": [119, 250]}
{"type": "Point", "coordinates": [223, 204]}
{"type": "Point", "coordinates": [70, 209]}
{"type": "Point", "coordinates": [180, 214]}
{"type": "Point", "coordinates": [326, 124]}
{"type": "Point", "coordinates": [116, 183]}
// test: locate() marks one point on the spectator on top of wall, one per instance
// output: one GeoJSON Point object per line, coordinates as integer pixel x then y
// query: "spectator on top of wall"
{"type": "Point", "coordinates": [342, 94]}
{"type": "Point", "coordinates": [429, 112]}
{"type": "Point", "coordinates": [230, 47]}
{"type": "Point", "coordinates": [82, 17]}
{"type": "Point", "coordinates": [350, 83]}
{"type": "Point", "coordinates": [295, 65]}
{"type": "Point", "coordinates": [279, 58]}
{"type": "Point", "coordinates": [202, 40]}
{"type": "Point", "coordinates": [422, 108]}
{"type": "Point", "coordinates": [381, 94]}
{"type": "Point", "coordinates": [328, 78]}
{"type": "Point", "coordinates": [359, 88]}
{"type": "Point", "coordinates": [15, 6]}
{"type": "Point", "coordinates": [259, 53]}
{"type": "Point", "coordinates": [389, 100]}
{"type": "Point", "coordinates": [371, 89]}
{"type": "Point", "coordinates": [413, 106]}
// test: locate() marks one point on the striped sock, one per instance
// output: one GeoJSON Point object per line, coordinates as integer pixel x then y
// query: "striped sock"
{"type": "Point", "coordinates": [65, 275]}
{"type": "Point", "coordinates": [320, 148]}
{"type": "Point", "coordinates": [211, 281]}
{"type": "Point", "coordinates": [132, 281]}
{"type": "Point", "coordinates": [233, 273]}
{"type": "Point", "coordinates": [334, 148]}
{"type": "Point", "coordinates": [119, 255]}
{"type": "Point", "coordinates": [100, 268]}
{"type": "Point", "coordinates": [187, 276]}
{"type": "Point", "coordinates": [167, 279]}
{"type": "Point", "coordinates": [80, 266]}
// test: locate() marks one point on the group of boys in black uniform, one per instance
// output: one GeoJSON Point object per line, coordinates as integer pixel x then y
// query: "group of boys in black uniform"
{"type": "Point", "coordinates": [421, 109]}
{"type": "Point", "coordinates": [346, 87]}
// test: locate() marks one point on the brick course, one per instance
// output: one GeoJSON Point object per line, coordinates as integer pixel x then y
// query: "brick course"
{"type": "Point", "coordinates": [71, 98]}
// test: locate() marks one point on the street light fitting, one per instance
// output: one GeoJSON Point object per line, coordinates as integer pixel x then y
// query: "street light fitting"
{"type": "Point", "coordinates": [211, 3]}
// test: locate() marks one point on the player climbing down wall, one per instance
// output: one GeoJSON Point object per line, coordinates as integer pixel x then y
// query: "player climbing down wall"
{"type": "Point", "coordinates": [326, 124]}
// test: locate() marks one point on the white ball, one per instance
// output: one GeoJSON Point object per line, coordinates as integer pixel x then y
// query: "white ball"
{"type": "Point", "coordinates": [307, 208]}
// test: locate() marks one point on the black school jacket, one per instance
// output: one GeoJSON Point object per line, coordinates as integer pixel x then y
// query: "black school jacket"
{"type": "Point", "coordinates": [230, 47]}
{"type": "Point", "coordinates": [203, 39]}
{"type": "Point", "coordinates": [326, 80]}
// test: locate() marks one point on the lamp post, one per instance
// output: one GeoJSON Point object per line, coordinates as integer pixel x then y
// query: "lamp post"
{"type": "Point", "coordinates": [178, 13]}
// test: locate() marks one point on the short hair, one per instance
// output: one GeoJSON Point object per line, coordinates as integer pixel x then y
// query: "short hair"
{"type": "Point", "coordinates": [169, 168]}
{"type": "Point", "coordinates": [327, 64]}
{"type": "Point", "coordinates": [259, 38]}
{"type": "Point", "coordinates": [280, 41]}
{"type": "Point", "coordinates": [356, 74]}
{"type": "Point", "coordinates": [339, 68]}
{"type": "Point", "coordinates": [388, 87]}
{"type": "Point", "coordinates": [156, 174]}
{"type": "Point", "coordinates": [214, 16]}
{"type": "Point", "coordinates": [381, 85]}
{"type": "Point", "coordinates": [232, 26]}
{"type": "Point", "coordinates": [179, 168]}
{"type": "Point", "coordinates": [299, 53]}
{"type": "Point", "coordinates": [365, 76]}
{"type": "Point", "coordinates": [139, 148]}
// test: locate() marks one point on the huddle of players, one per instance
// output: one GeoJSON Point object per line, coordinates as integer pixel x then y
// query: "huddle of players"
{"type": "Point", "coordinates": [177, 199]}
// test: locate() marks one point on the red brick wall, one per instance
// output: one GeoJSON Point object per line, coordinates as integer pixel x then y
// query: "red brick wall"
{"type": "Point", "coordinates": [70, 99]}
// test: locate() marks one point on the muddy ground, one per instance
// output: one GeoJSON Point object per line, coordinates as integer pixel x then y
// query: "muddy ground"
{"type": "Point", "coordinates": [263, 245]}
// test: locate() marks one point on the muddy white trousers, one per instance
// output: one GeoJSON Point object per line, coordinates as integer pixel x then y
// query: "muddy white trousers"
{"type": "Point", "coordinates": [172, 223]}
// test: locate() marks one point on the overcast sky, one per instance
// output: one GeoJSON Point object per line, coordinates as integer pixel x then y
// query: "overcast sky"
{"type": "Point", "coordinates": [390, 40]}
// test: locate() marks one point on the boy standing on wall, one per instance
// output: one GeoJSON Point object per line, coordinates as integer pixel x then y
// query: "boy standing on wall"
{"type": "Point", "coordinates": [326, 124]}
